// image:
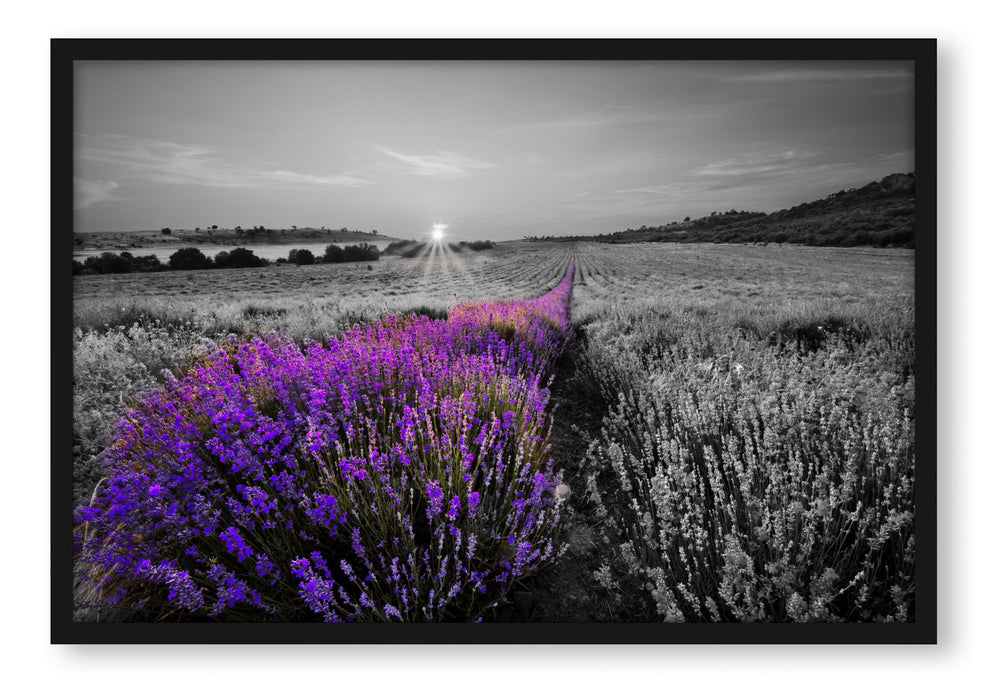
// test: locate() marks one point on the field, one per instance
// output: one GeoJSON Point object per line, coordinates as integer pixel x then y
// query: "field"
{"type": "Point", "coordinates": [732, 426]}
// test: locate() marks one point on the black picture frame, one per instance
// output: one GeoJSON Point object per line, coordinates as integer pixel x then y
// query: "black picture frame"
{"type": "Point", "coordinates": [922, 52]}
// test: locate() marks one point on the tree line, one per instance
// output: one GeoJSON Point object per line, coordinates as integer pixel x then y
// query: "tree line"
{"type": "Point", "coordinates": [195, 259]}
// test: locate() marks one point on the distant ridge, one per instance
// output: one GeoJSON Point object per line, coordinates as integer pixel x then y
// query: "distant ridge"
{"type": "Point", "coordinates": [880, 214]}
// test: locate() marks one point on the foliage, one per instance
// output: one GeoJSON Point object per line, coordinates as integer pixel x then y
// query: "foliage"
{"type": "Point", "coordinates": [111, 366]}
{"type": "Point", "coordinates": [399, 472]}
{"type": "Point", "coordinates": [114, 263]}
{"type": "Point", "coordinates": [350, 253]}
{"type": "Point", "coordinates": [238, 258]}
{"type": "Point", "coordinates": [333, 254]}
{"type": "Point", "coordinates": [413, 251]}
{"type": "Point", "coordinates": [479, 245]}
{"type": "Point", "coordinates": [301, 257]}
{"type": "Point", "coordinates": [397, 247]}
{"type": "Point", "coordinates": [188, 259]}
{"type": "Point", "coordinates": [755, 471]}
{"type": "Point", "coordinates": [360, 252]}
{"type": "Point", "coordinates": [144, 263]}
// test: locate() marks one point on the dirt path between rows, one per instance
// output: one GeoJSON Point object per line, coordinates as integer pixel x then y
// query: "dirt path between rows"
{"type": "Point", "coordinates": [567, 592]}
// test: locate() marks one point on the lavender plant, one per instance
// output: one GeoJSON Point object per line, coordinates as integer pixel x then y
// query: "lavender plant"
{"type": "Point", "coordinates": [739, 477]}
{"type": "Point", "coordinates": [400, 471]}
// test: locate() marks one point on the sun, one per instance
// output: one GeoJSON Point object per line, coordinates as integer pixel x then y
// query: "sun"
{"type": "Point", "coordinates": [438, 231]}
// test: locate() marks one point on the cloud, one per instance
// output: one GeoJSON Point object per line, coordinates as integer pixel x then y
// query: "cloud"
{"type": "Point", "coordinates": [759, 163]}
{"type": "Point", "coordinates": [443, 164]}
{"type": "Point", "coordinates": [90, 192]}
{"type": "Point", "coordinates": [166, 162]}
{"type": "Point", "coordinates": [789, 166]}
{"type": "Point", "coordinates": [594, 120]}
{"type": "Point", "coordinates": [289, 177]}
{"type": "Point", "coordinates": [673, 189]}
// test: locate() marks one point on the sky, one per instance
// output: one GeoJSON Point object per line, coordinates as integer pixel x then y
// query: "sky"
{"type": "Point", "coordinates": [491, 150]}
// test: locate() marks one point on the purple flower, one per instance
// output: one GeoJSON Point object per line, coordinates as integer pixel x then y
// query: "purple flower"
{"type": "Point", "coordinates": [325, 512]}
{"type": "Point", "coordinates": [235, 543]}
{"type": "Point", "coordinates": [263, 451]}
{"type": "Point", "coordinates": [435, 495]}
{"type": "Point", "coordinates": [474, 498]}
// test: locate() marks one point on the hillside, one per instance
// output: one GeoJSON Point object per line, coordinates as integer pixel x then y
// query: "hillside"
{"type": "Point", "coordinates": [127, 240]}
{"type": "Point", "coordinates": [879, 214]}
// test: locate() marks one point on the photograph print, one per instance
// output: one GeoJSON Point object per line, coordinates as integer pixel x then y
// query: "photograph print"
{"type": "Point", "coordinates": [587, 337]}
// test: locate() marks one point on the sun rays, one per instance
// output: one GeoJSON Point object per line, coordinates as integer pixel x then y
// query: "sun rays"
{"type": "Point", "coordinates": [438, 256]}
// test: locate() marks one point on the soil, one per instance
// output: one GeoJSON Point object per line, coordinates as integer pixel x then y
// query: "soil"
{"type": "Point", "coordinates": [567, 591]}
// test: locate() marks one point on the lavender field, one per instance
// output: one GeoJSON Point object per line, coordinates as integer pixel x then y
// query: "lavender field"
{"type": "Point", "coordinates": [544, 431]}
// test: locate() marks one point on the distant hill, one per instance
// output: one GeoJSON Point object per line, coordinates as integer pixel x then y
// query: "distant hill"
{"type": "Point", "coordinates": [879, 214]}
{"type": "Point", "coordinates": [125, 240]}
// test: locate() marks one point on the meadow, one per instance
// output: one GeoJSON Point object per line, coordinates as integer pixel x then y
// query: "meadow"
{"type": "Point", "coordinates": [725, 433]}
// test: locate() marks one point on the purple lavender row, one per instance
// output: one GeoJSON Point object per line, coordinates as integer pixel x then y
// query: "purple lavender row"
{"type": "Point", "coordinates": [401, 471]}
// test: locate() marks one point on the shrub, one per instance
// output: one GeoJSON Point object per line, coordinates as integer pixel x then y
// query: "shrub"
{"type": "Point", "coordinates": [109, 263]}
{"type": "Point", "coordinates": [301, 257]}
{"type": "Point", "coordinates": [239, 258]}
{"type": "Point", "coordinates": [360, 252]}
{"type": "Point", "coordinates": [397, 247]}
{"type": "Point", "coordinates": [480, 245]}
{"type": "Point", "coordinates": [399, 472]}
{"type": "Point", "coordinates": [188, 259]}
{"type": "Point", "coordinates": [333, 254]}
{"type": "Point", "coordinates": [114, 263]}
{"type": "Point", "coordinates": [145, 263]}
{"type": "Point", "coordinates": [412, 251]}
{"type": "Point", "coordinates": [351, 253]}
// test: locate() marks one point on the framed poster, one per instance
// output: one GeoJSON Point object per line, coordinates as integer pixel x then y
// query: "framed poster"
{"type": "Point", "coordinates": [474, 341]}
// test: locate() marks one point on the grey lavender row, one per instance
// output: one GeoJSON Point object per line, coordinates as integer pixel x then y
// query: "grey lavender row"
{"type": "Point", "coordinates": [401, 471]}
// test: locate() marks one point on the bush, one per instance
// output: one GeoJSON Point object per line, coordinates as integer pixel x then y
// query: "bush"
{"type": "Point", "coordinates": [413, 251]}
{"type": "Point", "coordinates": [399, 472]}
{"type": "Point", "coordinates": [239, 258]}
{"type": "Point", "coordinates": [114, 263]}
{"type": "Point", "coordinates": [145, 263]}
{"type": "Point", "coordinates": [480, 245]}
{"type": "Point", "coordinates": [188, 259]}
{"type": "Point", "coordinates": [351, 253]}
{"type": "Point", "coordinates": [397, 247]}
{"type": "Point", "coordinates": [110, 263]}
{"type": "Point", "coordinates": [360, 252]}
{"type": "Point", "coordinates": [301, 257]}
{"type": "Point", "coordinates": [333, 254]}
